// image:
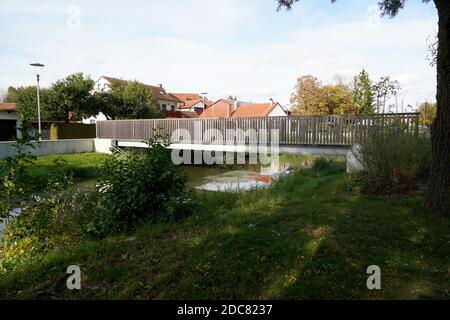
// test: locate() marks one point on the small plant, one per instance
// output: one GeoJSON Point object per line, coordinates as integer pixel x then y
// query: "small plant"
{"type": "Point", "coordinates": [140, 185]}
{"type": "Point", "coordinates": [393, 160]}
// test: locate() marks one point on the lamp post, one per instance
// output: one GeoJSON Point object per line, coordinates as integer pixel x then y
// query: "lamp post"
{"type": "Point", "coordinates": [36, 66]}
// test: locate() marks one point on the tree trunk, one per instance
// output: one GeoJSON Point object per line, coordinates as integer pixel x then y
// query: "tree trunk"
{"type": "Point", "coordinates": [438, 198]}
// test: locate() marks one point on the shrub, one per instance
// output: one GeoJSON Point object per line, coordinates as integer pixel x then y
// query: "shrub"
{"type": "Point", "coordinates": [47, 222]}
{"type": "Point", "coordinates": [140, 185]}
{"type": "Point", "coordinates": [393, 160]}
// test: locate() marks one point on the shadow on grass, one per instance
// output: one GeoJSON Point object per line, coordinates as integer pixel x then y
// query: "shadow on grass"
{"type": "Point", "coordinates": [307, 237]}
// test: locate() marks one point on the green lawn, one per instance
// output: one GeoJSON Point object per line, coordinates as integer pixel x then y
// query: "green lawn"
{"type": "Point", "coordinates": [81, 166]}
{"type": "Point", "coordinates": [308, 236]}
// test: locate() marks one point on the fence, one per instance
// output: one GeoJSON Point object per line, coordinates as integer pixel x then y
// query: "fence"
{"type": "Point", "coordinates": [333, 130]}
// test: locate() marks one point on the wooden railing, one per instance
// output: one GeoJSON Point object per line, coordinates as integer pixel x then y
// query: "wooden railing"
{"type": "Point", "coordinates": [334, 130]}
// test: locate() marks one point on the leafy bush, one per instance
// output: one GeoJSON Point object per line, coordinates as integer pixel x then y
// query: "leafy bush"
{"type": "Point", "coordinates": [47, 222]}
{"type": "Point", "coordinates": [140, 185]}
{"type": "Point", "coordinates": [393, 160]}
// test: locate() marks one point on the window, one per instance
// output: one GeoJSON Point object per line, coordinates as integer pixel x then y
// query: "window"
{"type": "Point", "coordinates": [173, 108]}
{"type": "Point", "coordinates": [163, 107]}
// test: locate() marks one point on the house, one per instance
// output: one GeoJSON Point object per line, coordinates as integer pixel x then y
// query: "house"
{"type": "Point", "coordinates": [166, 101]}
{"type": "Point", "coordinates": [9, 121]}
{"type": "Point", "coordinates": [225, 108]}
{"type": "Point", "coordinates": [222, 108]}
{"type": "Point", "coordinates": [192, 102]}
{"type": "Point", "coordinates": [271, 109]}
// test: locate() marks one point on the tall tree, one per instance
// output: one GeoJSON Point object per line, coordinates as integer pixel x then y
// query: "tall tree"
{"type": "Point", "coordinates": [71, 97]}
{"type": "Point", "coordinates": [438, 197]}
{"type": "Point", "coordinates": [26, 100]}
{"type": "Point", "coordinates": [131, 100]}
{"type": "Point", "coordinates": [363, 93]}
{"type": "Point", "coordinates": [308, 97]}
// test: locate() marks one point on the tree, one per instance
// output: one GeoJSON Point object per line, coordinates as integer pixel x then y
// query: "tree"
{"type": "Point", "coordinates": [427, 112]}
{"type": "Point", "coordinates": [131, 100]}
{"type": "Point", "coordinates": [384, 90]}
{"type": "Point", "coordinates": [71, 98]}
{"type": "Point", "coordinates": [363, 93]}
{"type": "Point", "coordinates": [339, 99]}
{"type": "Point", "coordinates": [26, 100]}
{"type": "Point", "coordinates": [308, 97]}
{"type": "Point", "coordinates": [438, 196]}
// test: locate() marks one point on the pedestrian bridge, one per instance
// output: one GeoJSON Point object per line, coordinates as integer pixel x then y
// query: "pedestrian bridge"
{"type": "Point", "coordinates": [304, 135]}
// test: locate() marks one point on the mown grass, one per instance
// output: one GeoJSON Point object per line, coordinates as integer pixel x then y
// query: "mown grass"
{"type": "Point", "coordinates": [307, 237]}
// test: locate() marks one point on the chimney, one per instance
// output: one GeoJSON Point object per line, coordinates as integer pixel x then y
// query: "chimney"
{"type": "Point", "coordinates": [235, 104]}
{"type": "Point", "coordinates": [271, 102]}
{"type": "Point", "coordinates": [160, 85]}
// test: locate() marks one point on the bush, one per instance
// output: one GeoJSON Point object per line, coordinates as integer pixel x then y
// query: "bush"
{"type": "Point", "coordinates": [393, 160]}
{"type": "Point", "coordinates": [141, 185]}
{"type": "Point", "coordinates": [48, 222]}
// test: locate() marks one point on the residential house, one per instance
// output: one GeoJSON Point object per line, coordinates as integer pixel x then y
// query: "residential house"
{"type": "Point", "coordinates": [192, 103]}
{"type": "Point", "coordinates": [224, 108]}
{"type": "Point", "coordinates": [9, 121]}
{"type": "Point", "coordinates": [166, 101]}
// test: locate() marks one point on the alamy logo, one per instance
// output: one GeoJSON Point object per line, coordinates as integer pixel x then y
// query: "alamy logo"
{"type": "Point", "coordinates": [74, 280]}
{"type": "Point", "coordinates": [374, 280]}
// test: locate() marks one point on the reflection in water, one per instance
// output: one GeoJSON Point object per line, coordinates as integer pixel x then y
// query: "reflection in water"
{"type": "Point", "coordinates": [247, 177]}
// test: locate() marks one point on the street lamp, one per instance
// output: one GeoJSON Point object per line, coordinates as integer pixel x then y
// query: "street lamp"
{"type": "Point", "coordinates": [36, 69]}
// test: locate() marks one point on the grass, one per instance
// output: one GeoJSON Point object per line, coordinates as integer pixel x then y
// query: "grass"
{"type": "Point", "coordinates": [81, 166]}
{"type": "Point", "coordinates": [307, 237]}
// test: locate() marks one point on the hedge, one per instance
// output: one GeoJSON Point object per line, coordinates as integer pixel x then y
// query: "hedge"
{"type": "Point", "coordinates": [61, 131]}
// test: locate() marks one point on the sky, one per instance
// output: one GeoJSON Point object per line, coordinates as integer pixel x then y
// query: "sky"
{"type": "Point", "coordinates": [243, 48]}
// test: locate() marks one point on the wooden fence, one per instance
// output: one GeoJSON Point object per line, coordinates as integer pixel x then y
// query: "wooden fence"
{"type": "Point", "coordinates": [334, 130]}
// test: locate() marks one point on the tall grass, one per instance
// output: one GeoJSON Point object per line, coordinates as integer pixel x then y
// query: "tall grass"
{"type": "Point", "coordinates": [394, 160]}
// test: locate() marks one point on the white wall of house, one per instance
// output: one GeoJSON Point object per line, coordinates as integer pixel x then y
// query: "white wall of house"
{"type": "Point", "coordinates": [102, 85]}
{"type": "Point", "coordinates": [278, 111]}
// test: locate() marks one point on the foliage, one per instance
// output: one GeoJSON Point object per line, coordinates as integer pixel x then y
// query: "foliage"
{"type": "Point", "coordinates": [310, 97]}
{"type": "Point", "coordinates": [393, 160]}
{"type": "Point", "coordinates": [427, 112]}
{"type": "Point", "coordinates": [138, 185]}
{"type": "Point", "coordinates": [363, 94]}
{"type": "Point", "coordinates": [129, 100]}
{"type": "Point", "coordinates": [13, 169]}
{"type": "Point", "coordinates": [26, 100]}
{"type": "Point", "coordinates": [48, 222]}
{"type": "Point", "coordinates": [71, 98]}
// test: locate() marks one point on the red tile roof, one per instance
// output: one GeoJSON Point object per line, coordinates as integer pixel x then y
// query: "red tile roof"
{"type": "Point", "coordinates": [220, 109]}
{"type": "Point", "coordinates": [7, 106]}
{"type": "Point", "coordinates": [187, 96]}
{"type": "Point", "coordinates": [247, 110]}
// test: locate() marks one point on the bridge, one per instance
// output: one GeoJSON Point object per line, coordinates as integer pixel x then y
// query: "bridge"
{"type": "Point", "coordinates": [304, 135]}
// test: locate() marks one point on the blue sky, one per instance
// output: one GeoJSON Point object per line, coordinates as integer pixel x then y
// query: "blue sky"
{"type": "Point", "coordinates": [243, 48]}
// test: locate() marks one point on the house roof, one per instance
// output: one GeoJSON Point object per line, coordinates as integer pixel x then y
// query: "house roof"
{"type": "Point", "coordinates": [220, 109]}
{"type": "Point", "coordinates": [7, 106]}
{"type": "Point", "coordinates": [158, 92]}
{"type": "Point", "coordinates": [247, 110]}
{"type": "Point", "coordinates": [187, 96]}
